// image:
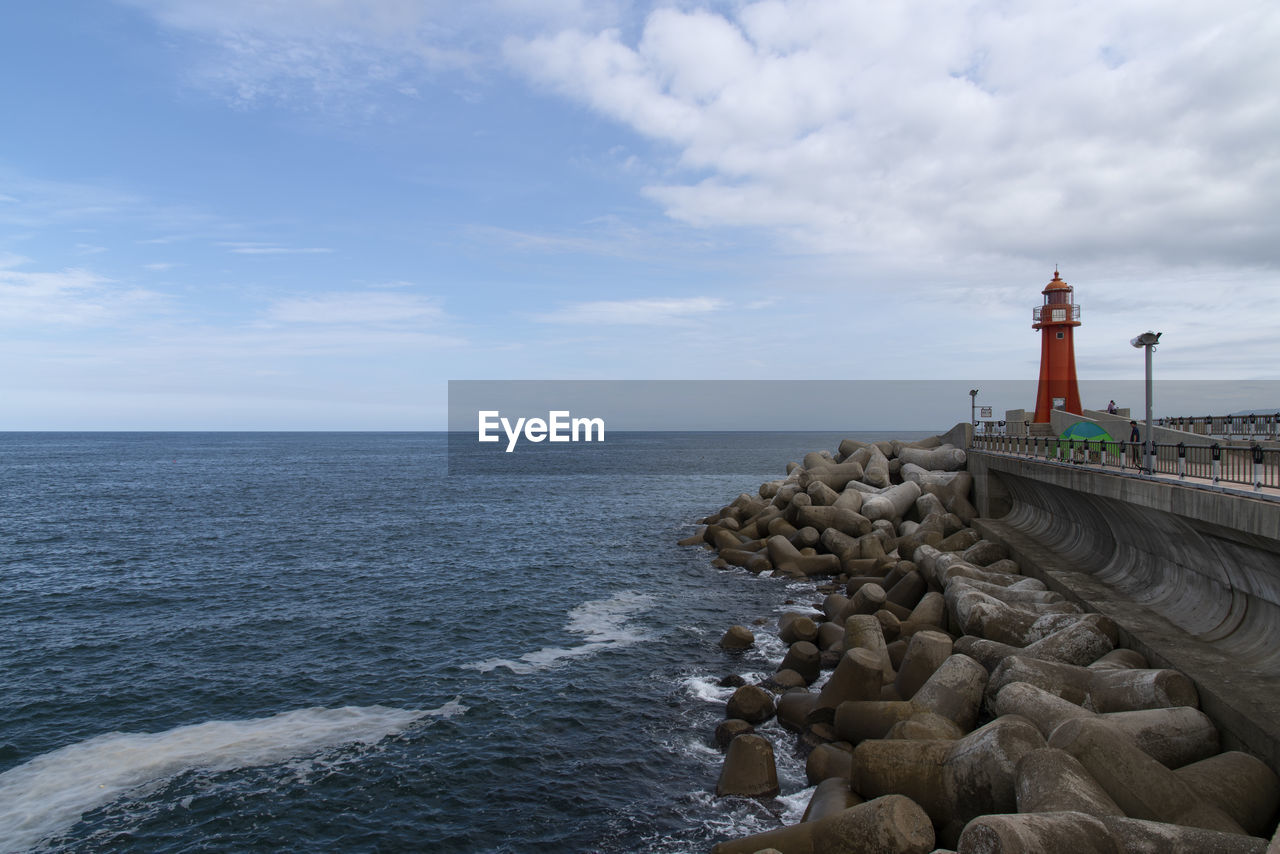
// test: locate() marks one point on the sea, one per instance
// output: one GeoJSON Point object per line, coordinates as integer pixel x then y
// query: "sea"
{"type": "Point", "coordinates": [355, 642]}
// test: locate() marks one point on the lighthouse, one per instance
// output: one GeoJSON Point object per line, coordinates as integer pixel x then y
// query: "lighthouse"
{"type": "Point", "coordinates": [1056, 320]}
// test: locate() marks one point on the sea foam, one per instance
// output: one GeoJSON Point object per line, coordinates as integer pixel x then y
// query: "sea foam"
{"type": "Point", "coordinates": [604, 622]}
{"type": "Point", "coordinates": [47, 795]}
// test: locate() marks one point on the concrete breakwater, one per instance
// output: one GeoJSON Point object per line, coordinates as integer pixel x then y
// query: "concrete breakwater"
{"type": "Point", "coordinates": [944, 699]}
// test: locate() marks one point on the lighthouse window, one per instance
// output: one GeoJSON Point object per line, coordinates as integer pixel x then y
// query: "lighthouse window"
{"type": "Point", "coordinates": [1059, 334]}
{"type": "Point", "coordinates": [1059, 314]}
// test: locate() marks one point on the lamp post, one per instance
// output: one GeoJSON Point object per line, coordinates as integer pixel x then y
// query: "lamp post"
{"type": "Point", "coordinates": [1148, 341]}
{"type": "Point", "coordinates": [973, 407]}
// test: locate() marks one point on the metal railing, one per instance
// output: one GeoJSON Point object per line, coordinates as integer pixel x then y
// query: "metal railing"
{"type": "Point", "coordinates": [1055, 312]}
{"type": "Point", "coordinates": [1246, 426]}
{"type": "Point", "coordinates": [1254, 466]}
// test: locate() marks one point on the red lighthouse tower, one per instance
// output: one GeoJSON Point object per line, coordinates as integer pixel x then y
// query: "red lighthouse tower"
{"type": "Point", "coordinates": [1056, 320]}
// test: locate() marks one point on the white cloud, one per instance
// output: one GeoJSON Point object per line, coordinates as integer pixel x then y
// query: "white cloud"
{"type": "Point", "coordinates": [637, 312]}
{"type": "Point", "coordinates": [12, 259]}
{"type": "Point", "coordinates": [369, 308]}
{"type": "Point", "coordinates": [272, 249]}
{"type": "Point", "coordinates": [1093, 130]}
{"type": "Point", "coordinates": [328, 51]}
{"type": "Point", "coordinates": [82, 208]}
{"type": "Point", "coordinates": [73, 297]}
{"type": "Point", "coordinates": [336, 53]}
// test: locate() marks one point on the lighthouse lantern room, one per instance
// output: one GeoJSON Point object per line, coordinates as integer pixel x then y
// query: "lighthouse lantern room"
{"type": "Point", "coordinates": [1056, 320]}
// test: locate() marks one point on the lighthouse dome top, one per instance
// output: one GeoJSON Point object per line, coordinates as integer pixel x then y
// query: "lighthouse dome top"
{"type": "Point", "coordinates": [1056, 285]}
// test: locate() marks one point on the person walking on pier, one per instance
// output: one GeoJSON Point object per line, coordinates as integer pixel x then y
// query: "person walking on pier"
{"type": "Point", "coordinates": [1134, 438]}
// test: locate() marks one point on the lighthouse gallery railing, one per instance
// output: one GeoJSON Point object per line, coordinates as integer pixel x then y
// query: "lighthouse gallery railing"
{"type": "Point", "coordinates": [1055, 312]}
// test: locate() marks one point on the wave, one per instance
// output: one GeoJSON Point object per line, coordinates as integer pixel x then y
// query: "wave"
{"type": "Point", "coordinates": [603, 621]}
{"type": "Point", "coordinates": [47, 795]}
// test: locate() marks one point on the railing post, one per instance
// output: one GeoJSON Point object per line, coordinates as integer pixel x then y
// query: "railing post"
{"type": "Point", "coordinates": [1257, 466]}
{"type": "Point", "coordinates": [1182, 460]}
{"type": "Point", "coordinates": [1215, 451]}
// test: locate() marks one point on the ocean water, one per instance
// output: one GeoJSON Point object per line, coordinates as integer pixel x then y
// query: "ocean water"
{"type": "Point", "coordinates": [326, 642]}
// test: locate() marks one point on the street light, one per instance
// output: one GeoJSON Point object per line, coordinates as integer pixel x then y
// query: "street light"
{"type": "Point", "coordinates": [973, 406]}
{"type": "Point", "coordinates": [1148, 341]}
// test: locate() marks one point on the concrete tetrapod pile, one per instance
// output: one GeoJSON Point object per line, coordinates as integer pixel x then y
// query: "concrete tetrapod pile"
{"type": "Point", "coordinates": [945, 699]}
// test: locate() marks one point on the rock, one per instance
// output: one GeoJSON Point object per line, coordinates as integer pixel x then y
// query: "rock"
{"type": "Point", "coordinates": [893, 503]}
{"type": "Point", "coordinates": [1078, 833]}
{"type": "Point", "coordinates": [926, 652]}
{"type": "Point", "coordinates": [943, 458]}
{"type": "Point", "coordinates": [1174, 736]}
{"type": "Point", "coordinates": [954, 691]}
{"type": "Point", "coordinates": [925, 725]}
{"type": "Point", "coordinates": [834, 476]}
{"type": "Point", "coordinates": [793, 626]}
{"type": "Point", "coordinates": [730, 729]}
{"type": "Point", "coordinates": [959, 541]}
{"type": "Point", "coordinates": [984, 552]}
{"type": "Point", "coordinates": [908, 590]}
{"type": "Point", "coordinates": [749, 769]}
{"type": "Point", "coordinates": [928, 505]}
{"type": "Point", "coordinates": [1121, 659]}
{"type": "Point", "coordinates": [1051, 780]}
{"type": "Point", "coordinates": [858, 676]}
{"type": "Point", "coordinates": [876, 469]}
{"type": "Point", "coordinates": [862, 631]}
{"type": "Point", "coordinates": [804, 658]}
{"type": "Point", "coordinates": [821, 494]}
{"type": "Point", "coordinates": [1080, 643]}
{"type": "Point", "coordinates": [1140, 785]}
{"type": "Point", "coordinates": [1098, 690]}
{"type": "Point", "coordinates": [827, 761]}
{"type": "Point", "coordinates": [889, 825]}
{"type": "Point", "coordinates": [830, 796]}
{"type": "Point", "coordinates": [737, 637]}
{"type": "Point", "coordinates": [1240, 785]}
{"type": "Point", "coordinates": [953, 781]}
{"type": "Point", "coordinates": [848, 522]}
{"type": "Point", "coordinates": [751, 703]}
{"type": "Point", "coordinates": [868, 599]}
{"type": "Point", "coordinates": [794, 707]}
{"type": "Point", "coordinates": [783, 681]}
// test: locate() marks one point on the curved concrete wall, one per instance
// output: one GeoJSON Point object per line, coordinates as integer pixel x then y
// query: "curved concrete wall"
{"type": "Point", "coordinates": [1215, 588]}
{"type": "Point", "coordinates": [1190, 575]}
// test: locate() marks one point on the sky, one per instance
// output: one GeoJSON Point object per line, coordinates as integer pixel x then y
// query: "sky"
{"type": "Point", "coordinates": [313, 214]}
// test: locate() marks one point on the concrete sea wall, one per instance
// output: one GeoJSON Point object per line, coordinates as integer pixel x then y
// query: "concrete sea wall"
{"type": "Point", "coordinates": [1190, 575]}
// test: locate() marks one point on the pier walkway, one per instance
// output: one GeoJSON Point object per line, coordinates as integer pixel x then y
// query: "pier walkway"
{"type": "Point", "coordinates": [1253, 469]}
